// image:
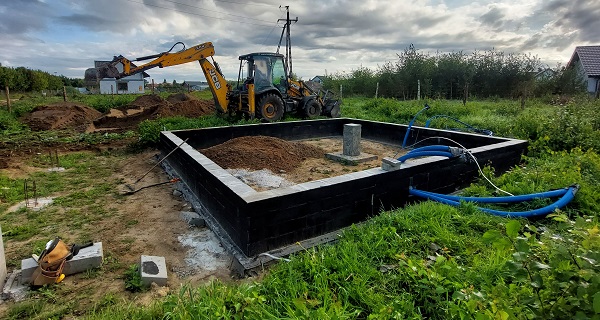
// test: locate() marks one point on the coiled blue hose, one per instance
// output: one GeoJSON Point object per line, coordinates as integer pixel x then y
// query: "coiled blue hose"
{"type": "Point", "coordinates": [566, 194]}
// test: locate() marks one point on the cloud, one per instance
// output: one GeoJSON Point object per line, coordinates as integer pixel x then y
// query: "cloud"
{"type": "Point", "coordinates": [16, 16]}
{"type": "Point", "coordinates": [332, 35]}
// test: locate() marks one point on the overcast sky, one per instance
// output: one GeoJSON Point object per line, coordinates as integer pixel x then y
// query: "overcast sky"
{"type": "Point", "coordinates": [66, 36]}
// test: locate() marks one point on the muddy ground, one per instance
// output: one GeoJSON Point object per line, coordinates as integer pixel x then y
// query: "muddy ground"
{"type": "Point", "coordinates": [147, 222]}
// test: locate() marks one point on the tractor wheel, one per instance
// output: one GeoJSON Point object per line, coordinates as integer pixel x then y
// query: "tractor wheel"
{"type": "Point", "coordinates": [270, 108]}
{"type": "Point", "coordinates": [312, 109]}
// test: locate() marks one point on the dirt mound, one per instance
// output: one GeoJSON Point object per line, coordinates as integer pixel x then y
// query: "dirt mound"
{"type": "Point", "coordinates": [261, 152]}
{"type": "Point", "coordinates": [189, 108]}
{"type": "Point", "coordinates": [145, 101]}
{"type": "Point", "coordinates": [179, 97]}
{"type": "Point", "coordinates": [62, 115]}
{"type": "Point", "coordinates": [150, 107]}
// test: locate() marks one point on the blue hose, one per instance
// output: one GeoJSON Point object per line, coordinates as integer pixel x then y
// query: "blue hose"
{"type": "Point", "coordinates": [511, 199]}
{"type": "Point", "coordinates": [432, 148]}
{"type": "Point", "coordinates": [410, 124]}
{"type": "Point", "coordinates": [424, 154]}
{"type": "Point", "coordinates": [567, 195]}
{"type": "Point", "coordinates": [468, 126]}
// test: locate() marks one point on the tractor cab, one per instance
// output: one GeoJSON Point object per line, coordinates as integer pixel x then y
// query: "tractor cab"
{"type": "Point", "coordinates": [266, 71]}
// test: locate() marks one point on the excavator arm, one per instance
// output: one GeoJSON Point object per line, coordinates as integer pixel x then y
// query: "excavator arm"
{"type": "Point", "coordinates": [216, 81]}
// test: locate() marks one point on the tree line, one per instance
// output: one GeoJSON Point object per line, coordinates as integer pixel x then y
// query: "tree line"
{"type": "Point", "coordinates": [458, 75]}
{"type": "Point", "coordinates": [23, 80]}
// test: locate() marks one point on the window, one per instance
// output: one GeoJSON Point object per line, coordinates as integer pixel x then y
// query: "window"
{"type": "Point", "coordinates": [121, 86]}
{"type": "Point", "coordinates": [278, 74]}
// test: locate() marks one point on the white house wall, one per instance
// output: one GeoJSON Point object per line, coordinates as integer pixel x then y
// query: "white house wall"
{"type": "Point", "coordinates": [109, 86]}
{"type": "Point", "coordinates": [135, 86]}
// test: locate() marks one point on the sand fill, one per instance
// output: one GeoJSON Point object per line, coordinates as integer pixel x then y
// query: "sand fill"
{"type": "Point", "coordinates": [261, 152]}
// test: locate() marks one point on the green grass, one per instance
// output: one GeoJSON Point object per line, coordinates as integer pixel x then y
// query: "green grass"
{"type": "Point", "coordinates": [426, 260]}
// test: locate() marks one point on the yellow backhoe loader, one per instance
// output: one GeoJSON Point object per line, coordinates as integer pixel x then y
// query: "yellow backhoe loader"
{"type": "Point", "coordinates": [264, 88]}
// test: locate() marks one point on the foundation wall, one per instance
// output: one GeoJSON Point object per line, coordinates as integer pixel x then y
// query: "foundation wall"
{"type": "Point", "coordinates": [257, 222]}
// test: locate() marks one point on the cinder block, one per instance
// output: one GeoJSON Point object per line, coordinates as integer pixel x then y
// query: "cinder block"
{"type": "Point", "coordinates": [153, 269]}
{"type": "Point", "coordinates": [390, 164]}
{"type": "Point", "coordinates": [87, 258]}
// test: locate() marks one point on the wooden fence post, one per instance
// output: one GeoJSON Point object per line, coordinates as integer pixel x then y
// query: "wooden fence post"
{"type": "Point", "coordinates": [152, 86]}
{"type": "Point", "coordinates": [341, 91]}
{"type": "Point", "coordinates": [418, 89]}
{"type": "Point", "coordinates": [8, 99]}
{"type": "Point", "coordinates": [377, 90]}
{"type": "Point", "coordinates": [64, 93]}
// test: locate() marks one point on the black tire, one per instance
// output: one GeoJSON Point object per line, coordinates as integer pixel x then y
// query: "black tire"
{"type": "Point", "coordinates": [312, 109]}
{"type": "Point", "coordinates": [270, 108]}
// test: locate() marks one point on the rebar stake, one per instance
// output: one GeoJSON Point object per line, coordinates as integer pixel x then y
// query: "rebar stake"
{"type": "Point", "coordinates": [35, 201]}
{"type": "Point", "coordinates": [25, 193]}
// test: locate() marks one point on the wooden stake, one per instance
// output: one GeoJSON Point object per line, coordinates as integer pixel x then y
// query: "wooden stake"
{"type": "Point", "coordinates": [152, 86]}
{"type": "Point", "coordinates": [8, 99]}
{"type": "Point", "coordinates": [64, 93]}
{"type": "Point", "coordinates": [377, 90]}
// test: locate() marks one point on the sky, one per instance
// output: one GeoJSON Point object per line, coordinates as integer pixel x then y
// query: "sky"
{"type": "Point", "coordinates": [64, 37]}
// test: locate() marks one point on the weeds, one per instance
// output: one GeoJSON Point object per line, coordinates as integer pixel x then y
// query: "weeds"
{"type": "Point", "coordinates": [133, 279]}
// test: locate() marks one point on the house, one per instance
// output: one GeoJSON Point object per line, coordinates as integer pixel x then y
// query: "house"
{"type": "Point", "coordinates": [319, 79]}
{"type": "Point", "coordinates": [195, 85]}
{"type": "Point", "coordinates": [129, 84]}
{"type": "Point", "coordinates": [586, 60]}
{"type": "Point", "coordinates": [544, 74]}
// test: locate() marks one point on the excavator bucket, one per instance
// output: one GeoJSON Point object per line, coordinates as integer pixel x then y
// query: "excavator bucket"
{"type": "Point", "coordinates": [105, 71]}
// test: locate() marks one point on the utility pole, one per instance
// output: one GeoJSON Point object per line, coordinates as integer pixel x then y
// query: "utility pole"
{"type": "Point", "coordinates": [288, 40]}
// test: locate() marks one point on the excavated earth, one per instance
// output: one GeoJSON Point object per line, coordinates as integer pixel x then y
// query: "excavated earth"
{"type": "Point", "coordinates": [81, 118]}
{"type": "Point", "coordinates": [152, 107]}
{"type": "Point", "coordinates": [266, 163]}
{"type": "Point", "coordinates": [62, 115]}
{"type": "Point", "coordinates": [261, 152]}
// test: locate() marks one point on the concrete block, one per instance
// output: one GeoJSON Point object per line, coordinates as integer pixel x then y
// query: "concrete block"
{"type": "Point", "coordinates": [87, 258]}
{"type": "Point", "coordinates": [153, 269]}
{"type": "Point", "coordinates": [390, 164]}
{"type": "Point", "coordinates": [14, 289]}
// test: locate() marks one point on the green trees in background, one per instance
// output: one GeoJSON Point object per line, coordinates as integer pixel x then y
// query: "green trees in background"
{"type": "Point", "coordinates": [457, 75]}
{"type": "Point", "coordinates": [22, 79]}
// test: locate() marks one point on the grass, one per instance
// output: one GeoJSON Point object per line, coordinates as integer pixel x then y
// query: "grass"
{"type": "Point", "coordinates": [424, 261]}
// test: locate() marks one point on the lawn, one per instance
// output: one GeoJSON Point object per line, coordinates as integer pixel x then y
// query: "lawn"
{"type": "Point", "coordinates": [426, 260]}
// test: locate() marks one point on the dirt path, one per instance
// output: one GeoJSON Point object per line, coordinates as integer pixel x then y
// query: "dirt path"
{"type": "Point", "coordinates": [147, 222]}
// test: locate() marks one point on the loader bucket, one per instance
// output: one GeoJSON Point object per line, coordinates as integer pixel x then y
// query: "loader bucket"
{"type": "Point", "coordinates": [331, 108]}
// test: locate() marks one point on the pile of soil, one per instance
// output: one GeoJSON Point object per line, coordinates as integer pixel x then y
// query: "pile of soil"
{"type": "Point", "coordinates": [152, 107]}
{"type": "Point", "coordinates": [61, 115]}
{"type": "Point", "coordinates": [261, 152]}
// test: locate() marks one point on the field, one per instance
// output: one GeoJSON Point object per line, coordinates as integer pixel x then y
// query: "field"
{"type": "Point", "coordinates": [427, 260]}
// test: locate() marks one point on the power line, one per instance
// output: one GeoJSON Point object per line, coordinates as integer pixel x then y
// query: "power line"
{"type": "Point", "coordinates": [245, 3]}
{"type": "Point", "coordinates": [201, 15]}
